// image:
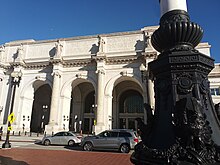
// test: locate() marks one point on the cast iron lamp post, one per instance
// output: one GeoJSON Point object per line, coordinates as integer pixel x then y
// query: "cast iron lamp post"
{"type": "Point", "coordinates": [43, 118]}
{"type": "Point", "coordinates": [143, 72]}
{"type": "Point", "coordinates": [15, 81]}
{"type": "Point", "coordinates": [184, 128]}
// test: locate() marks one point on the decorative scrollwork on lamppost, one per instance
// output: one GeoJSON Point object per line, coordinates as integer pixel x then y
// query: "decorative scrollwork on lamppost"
{"type": "Point", "coordinates": [15, 81]}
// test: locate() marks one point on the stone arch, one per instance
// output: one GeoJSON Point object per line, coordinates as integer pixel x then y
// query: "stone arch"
{"type": "Point", "coordinates": [119, 78]}
{"type": "Point", "coordinates": [77, 80]}
{"type": "Point", "coordinates": [26, 102]}
{"type": "Point", "coordinates": [73, 97]}
{"type": "Point", "coordinates": [121, 85]}
{"type": "Point", "coordinates": [41, 106]}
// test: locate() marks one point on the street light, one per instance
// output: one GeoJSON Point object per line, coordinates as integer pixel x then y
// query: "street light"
{"type": "Point", "coordinates": [15, 81]}
{"type": "Point", "coordinates": [43, 120]}
{"type": "Point", "coordinates": [94, 108]}
{"type": "Point", "coordinates": [143, 72]}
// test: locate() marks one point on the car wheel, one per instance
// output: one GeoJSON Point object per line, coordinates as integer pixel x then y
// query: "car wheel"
{"type": "Point", "coordinates": [47, 142]}
{"type": "Point", "coordinates": [87, 146]}
{"type": "Point", "coordinates": [71, 143]}
{"type": "Point", "coordinates": [124, 148]}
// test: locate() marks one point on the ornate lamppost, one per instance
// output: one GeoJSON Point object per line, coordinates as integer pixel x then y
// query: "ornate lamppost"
{"type": "Point", "coordinates": [43, 118]}
{"type": "Point", "coordinates": [94, 111]}
{"type": "Point", "coordinates": [184, 128]}
{"type": "Point", "coordinates": [15, 81]}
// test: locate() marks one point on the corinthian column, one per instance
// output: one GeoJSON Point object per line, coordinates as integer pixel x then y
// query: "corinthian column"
{"type": "Point", "coordinates": [100, 102]}
{"type": "Point", "coordinates": [55, 99]}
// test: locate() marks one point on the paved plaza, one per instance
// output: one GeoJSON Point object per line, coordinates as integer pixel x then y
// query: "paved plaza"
{"type": "Point", "coordinates": [19, 156]}
{"type": "Point", "coordinates": [24, 151]}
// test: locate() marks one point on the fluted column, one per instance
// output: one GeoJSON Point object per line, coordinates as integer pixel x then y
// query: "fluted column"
{"type": "Point", "coordinates": [55, 99]}
{"type": "Point", "coordinates": [100, 102]}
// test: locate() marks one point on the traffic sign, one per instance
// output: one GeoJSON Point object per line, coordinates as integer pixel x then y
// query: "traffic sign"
{"type": "Point", "coordinates": [9, 128]}
{"type": "Point", "coordinates": [11, 118]}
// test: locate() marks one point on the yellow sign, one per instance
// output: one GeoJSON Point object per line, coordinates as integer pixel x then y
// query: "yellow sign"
{"type": "Point", "coordinates": [9, 128]}
{"type": "Point", "coordinates": [11, 118]}
{"type": "Point", "coordinates": [94, 122]}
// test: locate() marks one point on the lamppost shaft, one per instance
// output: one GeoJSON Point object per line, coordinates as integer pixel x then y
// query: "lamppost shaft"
{"type": "Point", "coordinates": [7, 144]}
{"type": "Point", "coordinates": [15, 80]}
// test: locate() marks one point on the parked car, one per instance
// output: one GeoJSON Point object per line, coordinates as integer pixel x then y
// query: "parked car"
{"type": "Point", "coordinates": [122, 140]}
{"type": "Point", "coordinates": [62, 138]}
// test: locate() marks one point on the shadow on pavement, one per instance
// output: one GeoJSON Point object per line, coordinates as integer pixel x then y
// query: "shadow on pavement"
{"type": "Point", "coordinates": [75, 148]}
{"type": "Point", "coordinates": [10, 161]}
{"type": "Point", "coordinates": [39, 142]}
{"type": "Point", "coordinates": [79, 148]}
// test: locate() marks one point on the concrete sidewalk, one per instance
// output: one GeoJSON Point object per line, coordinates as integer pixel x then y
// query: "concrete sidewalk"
{"type": "Point", "coordinates": [24, 138]}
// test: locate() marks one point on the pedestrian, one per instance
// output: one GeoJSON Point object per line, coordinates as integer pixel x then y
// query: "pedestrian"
{"type": "Point", "coordinates": [1, 131]}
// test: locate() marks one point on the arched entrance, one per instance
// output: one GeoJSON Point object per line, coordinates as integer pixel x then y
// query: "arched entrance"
{"type": "Point", "coordinates": [127, 103]}
{"type": "Point", "coordinates": [89, 113]}
{"type": "Point", "coordinates": [130, 107]}
{"type": "Point", "coordinates": [41, 108]}
{"type": "Point", "coordinates": [81, 109]}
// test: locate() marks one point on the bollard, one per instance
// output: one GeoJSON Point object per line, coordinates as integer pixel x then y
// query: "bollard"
{"type": "Point", "coordinates": [25, 133]}
{"type": "Point", "coordinates": [13, 133]}
{"type": "Point", "coordinates": [19, 133]}
{"type": "Point", "coordinates": [30, 133]}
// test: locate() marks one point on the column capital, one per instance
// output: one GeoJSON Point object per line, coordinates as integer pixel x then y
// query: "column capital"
{"type": "Point", "coordinates": [100, 71]}
{"type": "Point", "coordinates": [56, 73]}
{"type": "Point", "coordinates": [79, 75]}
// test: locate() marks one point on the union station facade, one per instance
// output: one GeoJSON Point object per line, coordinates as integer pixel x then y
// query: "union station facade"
{"type": "Point", "coordinates": [89, 83]}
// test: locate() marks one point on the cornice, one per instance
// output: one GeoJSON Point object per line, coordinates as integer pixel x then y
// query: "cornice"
{"type": "Point", "coordinates": [73, 63]}
{"type": "Point", "coordinates": [214, 75]}
{"type": "Point", "coordinates": [121, 59]}
{"type": "Point", "coordinates": [151, 55]}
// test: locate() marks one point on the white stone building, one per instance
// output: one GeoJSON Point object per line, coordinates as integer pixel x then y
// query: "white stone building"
{"type": "Point", "coordinates": [89, 83]}
{"type": "Point", "coordinates": [214, 78]}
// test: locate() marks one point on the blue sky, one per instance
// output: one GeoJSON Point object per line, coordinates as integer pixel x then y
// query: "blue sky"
{"type": "Point", "coordinates": [52, 19]}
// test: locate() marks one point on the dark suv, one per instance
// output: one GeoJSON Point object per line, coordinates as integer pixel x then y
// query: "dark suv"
{"type": "Point", "coordinates": [117, 139]}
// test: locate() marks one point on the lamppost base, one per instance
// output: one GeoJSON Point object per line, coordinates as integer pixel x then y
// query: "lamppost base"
{"type": "Point", "coordinates": [175, 155]}
{"type": "Point", "coordinates": [6, 145]}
